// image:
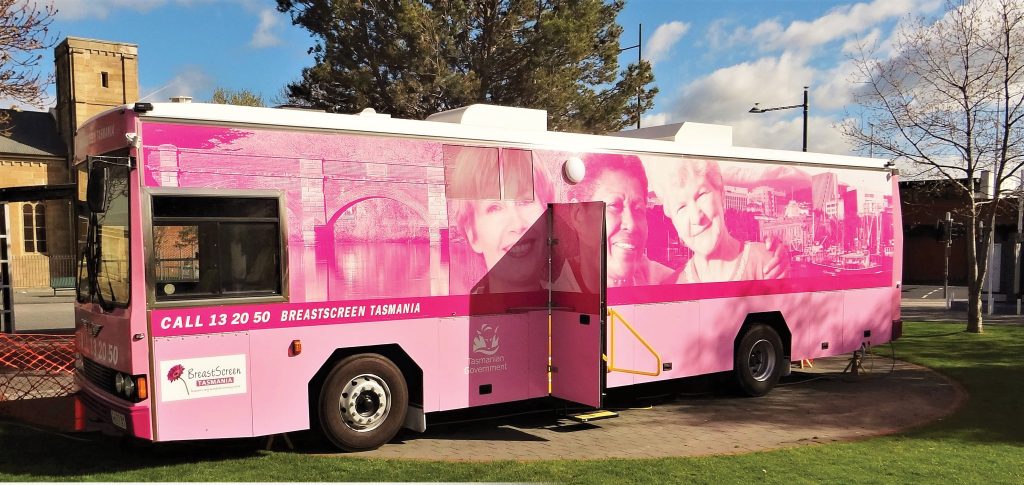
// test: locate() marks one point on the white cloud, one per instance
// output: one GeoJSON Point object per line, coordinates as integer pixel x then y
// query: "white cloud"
{"type": "Point", "coordinates": [726, 96]}
{"type": "Point", "coordinates": [664, 38]}
{"type": "Point", "coordinates": [99, 9]}
{"type": "Point", "coordinates": [729, 92]}
{"type": "Point", "coordinates": [717, 34]}
{"type": "Point", "coordinates": [654, 119]}
{"type": "Point", "coordinates": [853, 46]}
{"type": "Point", "coordinates": [189, 81]}
{"type": "Point", "coordinates": [265, 34]}
{"type": "Point", "coordinates": [72, 10]}
{"type": "Point", "coordinates": [839, 23]}
{"type": "Point", "coordinates": [787, 134]}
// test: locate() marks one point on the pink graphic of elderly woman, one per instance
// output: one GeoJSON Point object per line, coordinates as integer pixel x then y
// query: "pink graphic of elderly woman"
{"type": "Point", "coordinates": [496, 200]}
{"type": "Point", "coordinates": [620, 182]}
{"type": "Point", "coordinates": [692, 192]}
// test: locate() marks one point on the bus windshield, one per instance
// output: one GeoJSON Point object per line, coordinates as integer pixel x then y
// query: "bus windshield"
{"type": "Point", "coordinates": [103, 273]}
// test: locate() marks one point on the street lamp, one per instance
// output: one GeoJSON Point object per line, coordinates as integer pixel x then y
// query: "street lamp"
{"type": "Point", "coordinates": [757, 109]}
{"type": "Point", "coordinates": [639, 58]}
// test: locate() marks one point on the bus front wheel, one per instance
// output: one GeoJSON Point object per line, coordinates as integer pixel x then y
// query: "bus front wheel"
{"type": "Point", "coordinates": [758, 362]}
{"type": "Point", "coordinates": [363, 402]}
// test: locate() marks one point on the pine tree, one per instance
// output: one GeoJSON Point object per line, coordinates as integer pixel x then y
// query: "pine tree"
{"type": "Point", "coordinates": [413, 58]}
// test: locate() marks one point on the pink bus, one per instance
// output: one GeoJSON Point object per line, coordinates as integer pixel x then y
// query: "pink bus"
{"type": "Point", "coordinates": [253, 271]}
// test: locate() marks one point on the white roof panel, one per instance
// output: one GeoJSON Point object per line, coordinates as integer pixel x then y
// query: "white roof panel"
{"type": "Point", "coordinates": [456, 131]}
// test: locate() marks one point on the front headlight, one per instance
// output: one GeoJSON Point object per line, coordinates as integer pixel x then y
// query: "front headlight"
{"type": "Point", "coordinates": [119, 382]}
{"type": "Point", "coordinates": [129, 387]}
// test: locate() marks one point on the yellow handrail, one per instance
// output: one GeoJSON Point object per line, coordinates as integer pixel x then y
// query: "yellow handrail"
{"type": "Point", "coordinates": [612, 316]}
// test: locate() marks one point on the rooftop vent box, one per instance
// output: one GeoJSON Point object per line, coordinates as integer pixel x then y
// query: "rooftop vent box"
{"type": "Point", "coordinates": [689, 133]}
{"type": "Point", "coordinates": [491, 116]}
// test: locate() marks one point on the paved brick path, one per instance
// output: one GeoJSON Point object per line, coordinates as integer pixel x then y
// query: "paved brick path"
{"type": "Point", "coordinates": [816, 405]}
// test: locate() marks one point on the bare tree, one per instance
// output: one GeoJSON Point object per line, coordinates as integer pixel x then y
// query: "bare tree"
{"type": "Point", "coordinates": [24, 30]}
{"type": "Point", "coordinates": [946, 102]}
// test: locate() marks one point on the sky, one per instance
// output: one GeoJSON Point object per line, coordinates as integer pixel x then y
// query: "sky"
{"type": "Point", "coordinates": [713, 59]}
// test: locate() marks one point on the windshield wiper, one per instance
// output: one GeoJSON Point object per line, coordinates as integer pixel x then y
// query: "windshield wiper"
{"type": "Point", "coordinates": [94, 258]}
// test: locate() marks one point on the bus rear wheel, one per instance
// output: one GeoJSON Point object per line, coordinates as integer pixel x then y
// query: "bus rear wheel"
{"type": "Point", "coordinates": [363, 402]}
{"type": "Point", "coordinates": [758, 362]}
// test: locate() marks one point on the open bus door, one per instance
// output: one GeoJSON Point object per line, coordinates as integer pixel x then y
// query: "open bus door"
{"type": "Point", "coordinates": [577, 300]}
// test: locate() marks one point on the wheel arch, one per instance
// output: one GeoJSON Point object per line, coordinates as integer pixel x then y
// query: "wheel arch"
{"type": "Point", "coordinates": [775, 320]}
{"type": "Point", "coordinates": [412, 372]}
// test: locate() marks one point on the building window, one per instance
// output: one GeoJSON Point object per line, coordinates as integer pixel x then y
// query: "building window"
{"type": "Point", "coordinates": [104, 78]}
{"type": "Point", "coordinates": [34, 222]}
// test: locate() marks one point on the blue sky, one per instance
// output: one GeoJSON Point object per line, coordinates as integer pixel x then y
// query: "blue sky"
{"type": "Point", "coordinates": [712, 59]}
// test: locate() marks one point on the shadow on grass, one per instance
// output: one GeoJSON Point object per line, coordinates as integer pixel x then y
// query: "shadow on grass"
{"type": "Point", "coordinates": [34, 454]}
{"type": "Point", "coordinates": [945, 334]}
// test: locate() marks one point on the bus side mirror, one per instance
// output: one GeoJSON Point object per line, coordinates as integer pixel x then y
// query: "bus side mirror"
{"type": "Point", "coordinates": [96, 190]}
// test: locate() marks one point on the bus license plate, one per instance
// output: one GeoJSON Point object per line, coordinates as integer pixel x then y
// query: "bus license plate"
{"type": "Point", "coordinates": [119, 420]}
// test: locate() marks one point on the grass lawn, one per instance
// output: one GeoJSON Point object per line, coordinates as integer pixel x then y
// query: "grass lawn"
{"type": "Point", "coordinates": [983, 443]}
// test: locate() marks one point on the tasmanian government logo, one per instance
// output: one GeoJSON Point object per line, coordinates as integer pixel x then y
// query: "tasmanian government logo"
{"type": "Point", "coordinates": [485, 346]}
{"type": "Point", "coordinates": [486, 340]}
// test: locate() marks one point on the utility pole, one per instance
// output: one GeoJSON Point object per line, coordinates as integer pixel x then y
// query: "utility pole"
{"type": "Point", "coordinates": [945, 274]}
{"type": "Point", "coordinates": [639, 46]}
{"type": "Point", "coordinates": [1017, 243]}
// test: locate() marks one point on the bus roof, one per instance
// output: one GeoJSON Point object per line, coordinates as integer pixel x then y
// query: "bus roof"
{"type": "Point", "coordinates": [499, 124]}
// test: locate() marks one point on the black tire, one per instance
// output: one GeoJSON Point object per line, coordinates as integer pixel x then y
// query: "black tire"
{"type": "Point", "coordinates": [363, 402]}
{"type": "Point", "coordinates": [759, 361]}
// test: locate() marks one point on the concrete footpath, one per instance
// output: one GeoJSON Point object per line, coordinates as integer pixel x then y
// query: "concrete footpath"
{"type": "Point", "coordinates": [915, 310]}
{"type": "Point", "coordinates": [813, 405]}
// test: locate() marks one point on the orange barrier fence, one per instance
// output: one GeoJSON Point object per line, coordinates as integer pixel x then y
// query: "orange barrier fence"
{"type": "Point", "coordinates": [36, 366]}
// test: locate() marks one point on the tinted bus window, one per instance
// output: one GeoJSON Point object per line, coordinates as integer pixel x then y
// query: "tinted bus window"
{"type": "Point", "coordinates": [216, 247]}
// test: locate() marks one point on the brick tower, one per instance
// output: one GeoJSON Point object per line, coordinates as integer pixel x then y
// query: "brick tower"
{"type": "Point", "coordinates": [92, 76]}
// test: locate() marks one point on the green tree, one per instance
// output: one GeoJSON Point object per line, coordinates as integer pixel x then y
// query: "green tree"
{"type": "Point", "coordinates": [413, 58]}
{"type": "Point", "coordinates": [242, 97]}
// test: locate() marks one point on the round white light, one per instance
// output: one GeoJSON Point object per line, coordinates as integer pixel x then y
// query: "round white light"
{"type": "Point", "coordinates": [129, 387]}
{"type": "Point", "coordinates": [119, 381]}
{"type": "Point", "coordinates": [574, 170]}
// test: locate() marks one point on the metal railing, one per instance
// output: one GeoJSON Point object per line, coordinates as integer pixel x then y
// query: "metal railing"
{"type": "Point", "coordinates": [40, 270]}
{"type": "Point", "coordinates": [614, 316]}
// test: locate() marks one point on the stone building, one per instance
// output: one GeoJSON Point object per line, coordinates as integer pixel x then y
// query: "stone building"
{"type": "Point", "coordinates": [36, 153]}
{"type": "Point", "coordinates": [92, 76]}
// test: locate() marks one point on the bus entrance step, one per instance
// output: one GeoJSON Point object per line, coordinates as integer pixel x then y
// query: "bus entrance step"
{"type": "Point", "coordinates": [594, 416]}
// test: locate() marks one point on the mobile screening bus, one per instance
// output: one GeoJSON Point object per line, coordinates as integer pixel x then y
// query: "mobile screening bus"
{"type": "Point", "coordinates": [252, 271]}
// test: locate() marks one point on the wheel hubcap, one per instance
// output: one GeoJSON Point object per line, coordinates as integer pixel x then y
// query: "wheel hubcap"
{"type": "Point", "coordinates": [761, 360]}
{"type": "Point", "coordinates": [365, 402]}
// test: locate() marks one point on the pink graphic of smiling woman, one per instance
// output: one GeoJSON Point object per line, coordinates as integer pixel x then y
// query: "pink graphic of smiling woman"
{"type": "Point", "coordinates": [620, 182]}
{"type": "Point", "coordinates": [175, 374]}
{"type": "Point", "coordinates": [692, 194]}
{"type": "Point", "coordinates": [496, 198]}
